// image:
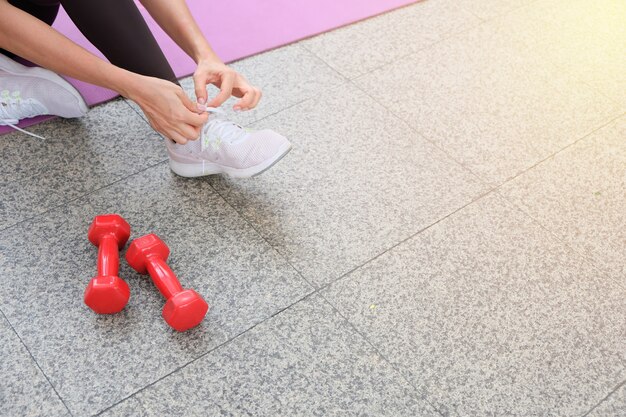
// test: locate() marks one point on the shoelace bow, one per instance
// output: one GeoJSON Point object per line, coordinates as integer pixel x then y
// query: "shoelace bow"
{"type": "Point", "coordinates": [222, 129]}
{"type": "Point", "coordinates": [13, 108]}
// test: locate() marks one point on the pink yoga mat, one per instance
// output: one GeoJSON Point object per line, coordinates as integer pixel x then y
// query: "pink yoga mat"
{"type": "Point", "coordinates": [237, 29]}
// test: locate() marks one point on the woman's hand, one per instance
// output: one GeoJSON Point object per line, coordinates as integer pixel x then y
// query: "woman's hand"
{"type": "Point", "coordinates": [168, 109]}
{"type": "Point", "coordinates": [213, 71]}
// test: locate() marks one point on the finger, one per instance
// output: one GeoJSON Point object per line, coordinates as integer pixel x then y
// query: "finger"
{"type": "Point", "coordinates": [190, 105]}
{"type": "Point", "coordinates": [177, 137]}
{"type": "Point", "coordinates": [195, 119]}
{"type": "Point", "coordinates": [190, 114]}
{"type": "Point", "coordinates": [226, 89]}
{"type": "Point", "coordinates": [199, 81]}
{"type": "Point", "coordinates": [246, 101]}
{"type": "Point", "coordinates": [257, 98]}
{"type": "Point", "coordinates": [188, 132]}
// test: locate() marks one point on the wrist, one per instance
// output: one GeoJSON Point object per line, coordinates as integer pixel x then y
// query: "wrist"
{"type": "Point", "coordinates": [125, 82]}
{"type": "Point", "coordinates": [205, 53]}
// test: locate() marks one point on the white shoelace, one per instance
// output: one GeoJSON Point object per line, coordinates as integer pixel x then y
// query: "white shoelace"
{"type": "Point", "coordinates": [222, 129]}
{"type": "Point", "coordinates": [13, 108]}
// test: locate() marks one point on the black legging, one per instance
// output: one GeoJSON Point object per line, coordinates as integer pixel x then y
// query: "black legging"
{"type": "Point", "coordinates": [115, 27]}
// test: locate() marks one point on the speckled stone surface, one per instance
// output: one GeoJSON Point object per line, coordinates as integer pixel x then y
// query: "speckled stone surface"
{"type": "Point", "coordinates": [584, 38]}
{"type": "Point", "coordinates": [357, 49]}
{"type": "Point", "coordinates": [614, 405]}
{"type": "Point", "coordinates": [580, 194]}
{"type": "Point", "coordinates": [77, 156]}
{"type": "Point", "coordinates": [95, 361]}
{"type": "Point", "coordinates": [303, 362]}
{"type": "Point", "coordinates": [286, 76]}
{"type": "Point", "coordinates": [498, 109]}
{"type": "Point", "coordinates": [357, 181]}
{"type": "Point", "coordinates": [24, 390]}
{"type": "Point", "coordinates": [487, 314]}
{"type": "Point", "coordinates": [489, 9]}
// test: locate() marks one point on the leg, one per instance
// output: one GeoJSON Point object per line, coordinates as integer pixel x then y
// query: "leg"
{"type": "Point", "coordinates": [118, 30]}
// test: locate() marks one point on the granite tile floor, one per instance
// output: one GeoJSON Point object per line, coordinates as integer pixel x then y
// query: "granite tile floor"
{"type": "Point", "coordinates": [447, 237]}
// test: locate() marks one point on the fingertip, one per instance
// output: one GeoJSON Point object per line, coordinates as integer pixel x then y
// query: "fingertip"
{"type": "Point", "coordinates": [215, 103]}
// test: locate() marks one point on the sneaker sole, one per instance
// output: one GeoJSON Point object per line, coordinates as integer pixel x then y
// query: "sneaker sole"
{"type": "Point", "coordinates": [15, 68]}
{"type": "Point", "coordinates": [208, 168]}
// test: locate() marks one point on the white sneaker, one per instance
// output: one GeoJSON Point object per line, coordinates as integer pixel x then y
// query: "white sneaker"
{"type": "Point", "coordinates": [226, 148]}
{"type": "Point", "coordinates": [28, 92]}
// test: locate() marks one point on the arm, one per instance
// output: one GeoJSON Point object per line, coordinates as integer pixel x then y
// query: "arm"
{"type": "Point", "coordinates": [176, 19]}
{"type": "Point", "coordinates": [167, 107]}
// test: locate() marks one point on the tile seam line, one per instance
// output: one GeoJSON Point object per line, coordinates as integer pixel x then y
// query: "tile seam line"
{"type": "Point", "coordinates": [379, 353]}
{"type": "Point", "coordinates": [445, 36]}
{"type": "Point", "coordinates": [422, 136]}
{"type": "Point", "coordinates": [583, 256]}
{"type": "Point", "coordinates": [208, 352]}
{"type": "Point", "coordinates": [566, 147]}
{"type": "Point", "coordinates": [318, 287]}
{"type": "Point", "coordinates": [451, 34]}
{"type": "Point", "coordinates": [591, 263]}
{"type": "Point", "coordinates": [608, 121]}
{"type": "Point", "coordinates": [36, 363]}
{"type": "Point", "coordinates": [504, 13]}
{"type": "Point", "coordinates": [95, 190]}
{"type": "Point", "coordinates": [613, 391]}
{"type": "Point", "coordinates": [413, 235]}
{"type": "Point", "coordinates": [71, 200]}
{"type": "Point", "coordinates": [259, 234]}
{"type": "Point", "coordinates": [72, 157]}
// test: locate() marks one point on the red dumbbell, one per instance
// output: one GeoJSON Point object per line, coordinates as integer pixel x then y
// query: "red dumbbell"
{"type": "Point", "coordinates": [107, 293]}
{"type": "Point", "coordinates": [184, 309]}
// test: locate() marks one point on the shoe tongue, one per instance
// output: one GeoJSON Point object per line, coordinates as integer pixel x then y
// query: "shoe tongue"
{"type": "Point", "coordinates": [218, 130]}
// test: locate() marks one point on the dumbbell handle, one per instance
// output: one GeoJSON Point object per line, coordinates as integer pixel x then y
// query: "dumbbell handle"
{"type": "Point", "coordinates": [163, 277]}
{"type": "Point", "coordinates": [108, 256]}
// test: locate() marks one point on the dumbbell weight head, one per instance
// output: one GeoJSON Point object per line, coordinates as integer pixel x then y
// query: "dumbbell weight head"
{"type": "Point", "coordinates": [142, 248]}
{"type": "Point", "coordinates": [183, 309]}
{"type": "Point", "coordinates": [107, 293]}
{"type": "Point", "coordinates": [109, 224]}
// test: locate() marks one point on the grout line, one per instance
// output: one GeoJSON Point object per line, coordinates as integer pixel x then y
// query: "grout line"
{"type": "Point", "coordinates": [345, 275]}
{"type": "Point", "coordinates": [36, 363]}
{"type": "Point", "coordinates": [424, 137]}
{"type": "Point", "coordinates": [569, 145]}
{"type": "Point", "coordinates": [620, 385]}
{"type": "Point", "coordinates": [591, 261]}
{"type": "Point", "coordinates": [279, 111]}
{"type": "Point", "coordinates": [141, 115]}
{"type": "Point", "coordinates": [504, 13]}
{"type": "Point", "coordinates": [379, 353]}
{"type": "Point", "coordinates": [88, 193]}
{"type": "Point", "coordinates": [284, 258]}
{"type": "Point", "coordinates": [444, 36]}
{"type": "Point", "coordinates": [238, 335]}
